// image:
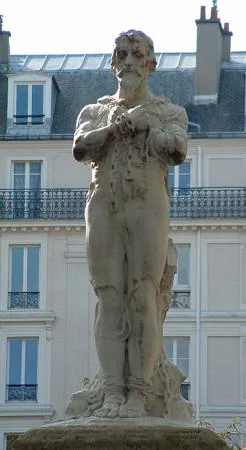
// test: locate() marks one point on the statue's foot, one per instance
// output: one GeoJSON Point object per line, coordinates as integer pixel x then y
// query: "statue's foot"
{"type": "Point", "coordinates": [134, 406]}
{"type": "Point", "coordinates": [111, 406]}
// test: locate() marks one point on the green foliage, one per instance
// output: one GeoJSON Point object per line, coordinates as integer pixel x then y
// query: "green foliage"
{"type": "Point", "coordinates": [232, 430]}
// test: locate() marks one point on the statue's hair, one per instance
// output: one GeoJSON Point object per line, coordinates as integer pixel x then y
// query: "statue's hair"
{"type": "Point", "coordinates": [135, 35]}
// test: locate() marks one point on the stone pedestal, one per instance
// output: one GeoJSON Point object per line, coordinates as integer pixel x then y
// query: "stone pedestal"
{"type": "Point", "coordinates": [122, 434]}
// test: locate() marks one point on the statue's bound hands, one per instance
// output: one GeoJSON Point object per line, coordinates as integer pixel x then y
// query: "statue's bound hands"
{"type": "Point", "coordinates": [124, 125]}
{"type": "Point", "coordinates": [132, 122]}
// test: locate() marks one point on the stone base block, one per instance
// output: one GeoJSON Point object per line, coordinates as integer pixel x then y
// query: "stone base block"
{"type": "Point", "coordinates": [121, 434]}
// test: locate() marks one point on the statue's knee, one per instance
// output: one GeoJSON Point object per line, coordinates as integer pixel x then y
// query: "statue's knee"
{"type": "Point", "coordinates": [143, 298]}
{"type": "Point", "coordinates": [109, 299]}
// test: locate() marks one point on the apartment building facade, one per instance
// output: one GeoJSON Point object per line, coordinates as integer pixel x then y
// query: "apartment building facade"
{"type": "Point", "coordinates": [46, 300]}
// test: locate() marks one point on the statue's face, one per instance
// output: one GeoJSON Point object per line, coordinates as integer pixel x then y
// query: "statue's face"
{"type": "Point", "coordinates": [131, 61]}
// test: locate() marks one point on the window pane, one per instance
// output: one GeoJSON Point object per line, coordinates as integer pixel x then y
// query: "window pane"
{"type": "Point", "coordinates": [17, 269]}
{"type": "Point", "coordinates": [33, 269]}
{"type": "Point", "coordinates": [19, 168]}
{"type": "Point", "coordinates": [183, 344]}
{"type": "Point", "coordinates": [37, 103]}
{"type": "Point", "coordinates": [35, 168]}
{"type": "Point", "coordinates": [183, 347]}
{"type": "Point", "coordinates": [178, 350]}
{"type": "Point", "coordinates": [184, 175]}
{"type": "Point", "coordinates": [19, 176]}
{"type": "Point", "coordinates": [35, 175]}
{"type": "Point", "coordinates": [183, 273]}
{"type": "Point", "coordinates": [171, 176]}
{"type": "Point", "coordinates": [31, 361]}
{"type": "Point", "coordinates": [21, 104]}
{"type": "Point", "coordinates": [15, 349]}
{"type": "Point", "coordinates": [185, 390]}
{"type": "Point", "coordinates": [168, 345]}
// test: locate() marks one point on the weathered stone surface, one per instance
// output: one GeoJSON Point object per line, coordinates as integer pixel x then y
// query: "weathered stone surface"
{"type": "Point", "coordinates": [130, 138]}
{"type": "Point", "coordinates": [123, 434]}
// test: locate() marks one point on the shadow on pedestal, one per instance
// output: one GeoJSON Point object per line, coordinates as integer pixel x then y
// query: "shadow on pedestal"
{"type": "Point", "coordinates": [124, 434]}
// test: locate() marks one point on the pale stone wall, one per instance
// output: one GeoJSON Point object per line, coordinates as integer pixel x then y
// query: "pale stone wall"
{"type": "Point", "coordinates": [223, 370]}
{"type": "Point", "coordinates": [59, 167]}
{"type": "Point", "coordinates": [223, 281]}
{"type": "Point", "coordinates": [214, 323]}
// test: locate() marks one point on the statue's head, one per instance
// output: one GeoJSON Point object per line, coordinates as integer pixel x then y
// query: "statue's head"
{"type": "Point", "coordinates": [141, 44]}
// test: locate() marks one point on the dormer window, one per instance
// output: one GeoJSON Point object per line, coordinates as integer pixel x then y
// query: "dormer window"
{"type": "Point", "coordinates": [29, 104]}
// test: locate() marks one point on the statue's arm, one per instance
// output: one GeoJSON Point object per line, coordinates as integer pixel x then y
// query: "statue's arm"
{"type": "Point", "coordinates": [89, 139]}
{"type": "Point", "coordinates": [170, 143]}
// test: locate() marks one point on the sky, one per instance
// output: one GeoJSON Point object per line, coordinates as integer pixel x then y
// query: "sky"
{"type": "Point", "coordinates": [90, 26]}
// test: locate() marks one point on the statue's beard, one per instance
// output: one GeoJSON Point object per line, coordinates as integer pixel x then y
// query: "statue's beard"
{"type": "Point", "coordinates": [129, 82]}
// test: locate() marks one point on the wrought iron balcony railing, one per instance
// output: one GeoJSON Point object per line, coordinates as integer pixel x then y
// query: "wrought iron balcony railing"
{"type": "Point", "coordinates": [66, 203]}
{"type": "Point", "coordinates": [200, 203]}
{"type": "Point", "coordinates": [21, 392]}
{"type": "Point", "coordinates": [181, 300]}
{"type": "Point", "coordinates": [22, 300]}
{"type": "Point", "coordinates": [42, 204]}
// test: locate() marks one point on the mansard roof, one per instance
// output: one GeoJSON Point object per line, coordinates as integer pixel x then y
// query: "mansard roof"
{"type": "Point", "coordinates": [84, 78]}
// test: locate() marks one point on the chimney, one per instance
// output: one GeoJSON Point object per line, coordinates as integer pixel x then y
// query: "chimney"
{"type": "Point", "coordinates": [4, 44]}
{"type": "Point", "coordinates": [213, 48]}
{"type": "Point", "coordinates": [226, 52]}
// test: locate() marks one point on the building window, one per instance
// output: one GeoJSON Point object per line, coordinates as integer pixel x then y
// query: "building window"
{"type": "Point", "coordinates": [26, 174]}
{"type": "Point", "coordinates": [29, 106]}
{"type": "Point", "coordinates": [180, 176]}
{"type": "Point", "coordinates": [181, 287]}
{"type": "Point", "coordinates": [178, 352]}
{"type": "Point", "coordinates": [10, 439]}
{"type": "Point", "coordinates": [22, 369]}
{"type": "Point", "coordinates": [24, 277]}
{"type": "Point", "coordinates": [26, 183]}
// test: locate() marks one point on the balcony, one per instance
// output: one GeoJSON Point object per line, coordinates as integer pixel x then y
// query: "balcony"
{"type": "Point", "coordinates": [23, 300]}
{"type": "Point", "coordinates": [181, 299]}
{"type": "Point", "coordinates": [42, 204]}
{"type": "Point", "coordinates": [202, 203]}
{"type": "Point", "coordinates": [21, 392]}
{"type": "Point", "coordinates": [64, 203]}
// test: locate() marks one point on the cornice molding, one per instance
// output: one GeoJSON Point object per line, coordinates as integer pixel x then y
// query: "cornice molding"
{"type": "Point", "coordinates": [189, 225]}
{"type": "Point", "coordinates": [21, 410]}
{"type": "Point", "coordinates": [219, 225]}
{"type": "Point", "coordinates": [186, 316]}
{"type": "Point", "coordinates": [27, 227]}
{"type": "Point", "coordinates": [38, 316]}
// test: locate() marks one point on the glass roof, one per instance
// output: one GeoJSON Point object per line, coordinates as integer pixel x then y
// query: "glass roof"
{"type": "Point", "coordinates": [92, 62]}
{"type": "Point", "coordinates": [239, 57]}
{"type": "Point", "coordinates": [165, 61]}
{"type": "Point", "coordinates": [53, 62]}
{"type": "Point", "coordinates": [169, 61]}
{"type": "Point", "coordinates": [188, 61]}
{"type": "Point", "coordinates": [35, 62]}
{"type": "Point", "coordinates": [73, 62]}
{"type": "Point", "coordinates": [106, 64]}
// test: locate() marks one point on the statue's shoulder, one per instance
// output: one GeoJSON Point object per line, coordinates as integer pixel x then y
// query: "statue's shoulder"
{"type": "Point", "coordinates": [173, 112]}
{"type": "Point", "coordinates": [88, 110]}
{"type": "Point", "coordinates": [89, 113]}
{"type": "Point", "coordinates": [167, 105]}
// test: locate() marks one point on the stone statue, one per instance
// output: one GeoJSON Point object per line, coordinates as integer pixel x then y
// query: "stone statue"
{"type": "Point", "coordinates": [130, 138]}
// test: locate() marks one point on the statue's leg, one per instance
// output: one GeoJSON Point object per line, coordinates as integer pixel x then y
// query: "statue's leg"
{"type": "Point", "coordinates": [106, 264]}
{"type": "Point", "coordinates": [147, 251]}
{"type": "Point", "coordinates": [110, 336]}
